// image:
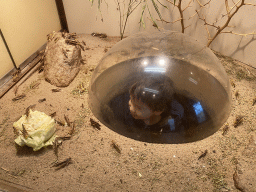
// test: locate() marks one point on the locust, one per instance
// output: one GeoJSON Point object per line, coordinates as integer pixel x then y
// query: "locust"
{"type": "Point", "coordinates": [41, 100]}
{"type": "Point", "coordinates": [28, 109]}
{"type": "Point", "coordinates": [115, 146]}
{"type": "Point", "coordinates": [56, 90]}
{"type": "Point", "coordinates": [53, 114]}
{"type": "Point", "coordinates": [65, 53]}
{"type": "Point", "coordinates": [203, 155]}
{"type": "Point", "coordinates": [94, 124]}
{"type": "Point", "coordinates": [239, 119]}
{"type": "Point", "coordinates": [19, 97]}
{"type": "Point", "coordinates": [225, 130]}
{"type": "Point", "coordinates": [67, 120]}
{"type": "Point", "coordinates": [62, 164]}
{"type": "Point", "coordinates": [254, 101]}
{"type": "Point", "coordinates": [237, 94]}
{"type": "Point", "coordinates": [25, 132]}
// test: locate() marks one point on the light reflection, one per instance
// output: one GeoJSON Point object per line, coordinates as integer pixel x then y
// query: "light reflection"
{"type": "Point", "coordinates": [192, 80]}
{"type": "Point", "coordinates": [162, 62]}
{"type": "Point", "coordinates": [199, 112]}
{"type": "Point", "coordinates": [172, 124]}
{"type": "Point", "coordinates": [145, 63]}
{"type": "Point", "coordinates": [155, 69]}
{"type": "Point", "coordinates": [151, 90]}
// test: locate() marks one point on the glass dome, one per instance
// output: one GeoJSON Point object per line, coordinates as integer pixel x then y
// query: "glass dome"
{"type": "Point", "coordinates": [161, 87]}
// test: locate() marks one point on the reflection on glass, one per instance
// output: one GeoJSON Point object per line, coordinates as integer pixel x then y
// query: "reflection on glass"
{"type": "Point", "coordinates": [155, 70]}
{"type": "Point", "coordinates": [161, 62]}
{"type": "Point", "coordinates": [145, 63]}
{"type": "Point", "coordinates": [192, 80]}
{"type": "Point", "coordinates": [149, 98]}
{"type": "Point", "coordinates": [199, 112]}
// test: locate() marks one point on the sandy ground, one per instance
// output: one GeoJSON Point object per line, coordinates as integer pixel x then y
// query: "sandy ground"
{"type": "Point", "coordinates": [230, 161]}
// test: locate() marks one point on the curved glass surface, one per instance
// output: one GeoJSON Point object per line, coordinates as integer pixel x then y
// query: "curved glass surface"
{"type": "Point", "coordinates": [160, 88]}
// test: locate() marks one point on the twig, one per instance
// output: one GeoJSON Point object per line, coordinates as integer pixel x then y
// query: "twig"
{"type": "Point", "coordinates": [181, 16]}
{"type": "Point", "coordinates": [220, 29]}
{"type": "Point", "coordinates": [199, 3]}
{"type": "Point", "coordinates": [15, 183]}
{"type": "Point", "coordinates": [239, 33]}
{"type": "Point", "coordinates": [181, 11]}
{"type": "Point", "coordinates": [169, 21]}
{"type": "Point", "coordinates": [187, 6]}
{"type": "Point", "coordinates": [201, 7]}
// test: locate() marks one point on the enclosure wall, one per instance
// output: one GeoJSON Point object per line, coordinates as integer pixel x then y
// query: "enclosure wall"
{"type": "Point", "coordinates": [4, 59]}
{"type": "Point", "coordinates": [82, 17]}
{"type": "Point", "coordinates": [25, 25]}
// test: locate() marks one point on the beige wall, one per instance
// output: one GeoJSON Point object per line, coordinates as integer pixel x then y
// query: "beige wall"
{"type": "Point", "coordinates": [25, 24]}
{"type": "Point", "coordinates": [4, 59]}
{"type": "Point", "coordinates": [82, 18]}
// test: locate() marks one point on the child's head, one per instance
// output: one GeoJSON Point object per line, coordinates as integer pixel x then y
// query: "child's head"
{"type": "Point", "coordinates": [150, 97]}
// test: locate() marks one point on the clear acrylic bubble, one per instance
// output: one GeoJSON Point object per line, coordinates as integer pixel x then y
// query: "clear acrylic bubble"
{"type": "Point", "coordinates": [161, 87]}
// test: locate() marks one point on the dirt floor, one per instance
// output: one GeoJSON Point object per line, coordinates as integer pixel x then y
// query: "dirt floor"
{"type": "Point", "coordinates": [230, 161]}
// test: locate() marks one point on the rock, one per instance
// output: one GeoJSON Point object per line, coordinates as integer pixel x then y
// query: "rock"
{"type": "Point", "coordinates": [62, 58]}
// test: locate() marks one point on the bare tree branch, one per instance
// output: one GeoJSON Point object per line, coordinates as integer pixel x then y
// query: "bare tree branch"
{"type": "Point", "coordinates": [169, 21]}
{"type": "Point", "coordinates": [209, 35]}
{"type": "Point", "coordinates": [227, 7]}
{"type": "Point", "coordinates": [187, 6]}
{"type": "Point", "coordinates": [199, 3]}
{"type": "Point", "coordinates": [181, 16]}
{"type": "Point", "coordinates": [220, 29]}
{"type": "Point", "coordinates": [181, 11]}
{"type": "Point", "coordinates": [201, 7]}
{"type": "Point", "coordinates": [205, 22]}
{"type": "Point", "coordinates": [246, 34]}
{"type": "Point", "coordinates": [170, 2]}
{"type": "Point", "coordinates": [250, 4]}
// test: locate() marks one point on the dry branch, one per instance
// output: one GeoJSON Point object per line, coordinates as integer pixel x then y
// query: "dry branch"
{"type": "Point", "coordinates": [201, 7]}
{"type": "Point", "coordinates": [181, 11]}
{"type": "Point", "coordinates": [240, 34]}
{"type": "Point", "coordinates": [230, 12]}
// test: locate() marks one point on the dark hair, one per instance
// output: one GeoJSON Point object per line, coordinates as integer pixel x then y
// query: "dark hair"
{"type": "Point", "coordinates": [155, 92]}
